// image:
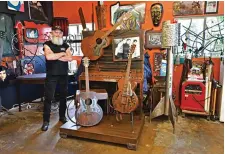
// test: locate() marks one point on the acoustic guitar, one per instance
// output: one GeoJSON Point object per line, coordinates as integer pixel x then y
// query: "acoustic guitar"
{"type": "Point", "coordinates": [92, 46]}
{"type": "Point", "coordinates": [88, 112]}
{"type": "Point", "coordinates": [125, 100]}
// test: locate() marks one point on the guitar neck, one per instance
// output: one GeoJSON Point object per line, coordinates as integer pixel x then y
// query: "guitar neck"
{"type": "Point", "coordinates": [87, 79]}
{"type": "Point", "coordinates": [112, 29]}
{"type": "Point", "coordinates": [127, 72]}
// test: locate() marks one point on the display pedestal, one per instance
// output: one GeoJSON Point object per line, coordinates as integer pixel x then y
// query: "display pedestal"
{"type": "Point", "coordinates": [108, 130]}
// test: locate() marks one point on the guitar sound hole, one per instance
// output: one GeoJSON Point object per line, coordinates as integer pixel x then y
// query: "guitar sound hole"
{"type": "Point", "coordinates": [99, 41]}
{"type": "Point", "coordinates": [88, 101]}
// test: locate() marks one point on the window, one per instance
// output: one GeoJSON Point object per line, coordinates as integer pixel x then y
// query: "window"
{"type": "Point", "coordinates": [214, 35]}
{"type": "Point", "coordinates": [74, 35]}
{"type": "Point", "coordinates": [204, 36]}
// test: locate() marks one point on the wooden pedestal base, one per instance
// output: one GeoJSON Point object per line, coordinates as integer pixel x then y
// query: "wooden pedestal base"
{"type": "Point", "coordinates": [108, 130]}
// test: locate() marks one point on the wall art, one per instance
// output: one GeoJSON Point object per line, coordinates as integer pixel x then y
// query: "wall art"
{"type": "Point", "coordinates": [153, 39]}
{"type": "Point", "coordinates": [36, 11]}
{"type": "Point", "coordinates": [122, 46]}
{"type": "Point", "coordinates": [156, 13]}
{"type": "Point", "coordinates": [138, 14]}
{"type": "Point", "coordinates": [16, 5]}
{"type": "Point", "coordinates": [211, 7]}
{"type": "Point", "coordinates": [188, 8]}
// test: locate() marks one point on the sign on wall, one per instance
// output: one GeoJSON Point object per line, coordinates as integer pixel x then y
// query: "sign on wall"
{"type": "Point", "coordinates": [36, 11]}
{"type": "Point", "coordinates": [16, 5]}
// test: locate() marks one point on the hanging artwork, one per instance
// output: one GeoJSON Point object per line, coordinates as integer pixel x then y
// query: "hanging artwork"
{"type": "Point", "coordinates": [156, 13]}
{"type": "Point", "coordinates": [138, 14]}
{"type": "Point", "coordinates": [36, 11]}
{"type": "Point", "coordinates": [101, 15]}
{"type": "Point", "coordinates": [188, 8]}
{"type": "Point", "coordinates": [122, 46]}
{"type": "Point", "coordinates": [16, 5]}
{"type": "Point", "coordinates": [28, 66]}
{"type": "Point", "coordinates": [153, 39]}
{"type": "Point", "coordinates": [211, 7]}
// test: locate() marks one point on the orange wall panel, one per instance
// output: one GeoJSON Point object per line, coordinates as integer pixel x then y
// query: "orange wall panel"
{"type": "Point", "coordinates": [69, 10]}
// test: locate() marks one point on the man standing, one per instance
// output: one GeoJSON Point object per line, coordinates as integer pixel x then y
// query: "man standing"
{"type": "Point", "coordinates": [136, 53]}
{"type": "Point", "coordinates": [57, 55]}
{"type": "Point", "coordinates": [119, 50]}
{"type": "Point", "coordinates": [126, 49]}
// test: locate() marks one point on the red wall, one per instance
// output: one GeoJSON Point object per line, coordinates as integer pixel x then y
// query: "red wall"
{"type": "Point", "coordinates": [70, 10]}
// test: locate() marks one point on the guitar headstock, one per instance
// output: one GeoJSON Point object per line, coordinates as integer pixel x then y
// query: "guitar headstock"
{"type": "Point", "coordinates": [86, 61]}
{"type": "Point", "coordinates": [132, 49]}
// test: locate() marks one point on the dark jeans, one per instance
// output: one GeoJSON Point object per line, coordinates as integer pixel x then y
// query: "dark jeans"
{"type": "Point", "coordinates": [50, 86]}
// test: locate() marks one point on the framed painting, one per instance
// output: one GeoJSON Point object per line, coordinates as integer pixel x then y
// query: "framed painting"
{"type": "Point", "coordinates": [181, 8]}
{"type": "Point", "coordinates": [211, 7]}
{"type": "Point", "coordinates": [122, 45]}
{"type": "Point", "coordinates": [134, 22]}
{"type": "Point", "coordinates": [153, 39]}
{"type": "Point", "coordinates": [36, 11]}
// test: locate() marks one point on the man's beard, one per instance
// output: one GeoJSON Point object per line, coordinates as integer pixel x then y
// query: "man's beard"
{"type": "Point", "coordinates": [57, 40]}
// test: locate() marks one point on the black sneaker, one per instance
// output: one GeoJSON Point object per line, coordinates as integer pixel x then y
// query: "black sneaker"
{"type": "Point", "coordinates": [45, 126]}
{"type": "Point", "coordinates": [63, 120]}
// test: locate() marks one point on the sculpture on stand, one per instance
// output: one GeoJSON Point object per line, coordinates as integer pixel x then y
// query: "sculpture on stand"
{"type": "Point", "coordinates": [166, 105]}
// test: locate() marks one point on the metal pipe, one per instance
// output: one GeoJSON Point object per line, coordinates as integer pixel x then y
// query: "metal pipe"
{"type": "Point", "coordinates": [1, 49]}
{"type": "Point", "coordinates": [169, 79]}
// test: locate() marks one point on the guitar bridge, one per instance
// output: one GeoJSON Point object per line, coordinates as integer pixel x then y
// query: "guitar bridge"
{"type": "Point", "coordinates": [98, 47]}
{"type": "Point", "coordinates": [96, 51]}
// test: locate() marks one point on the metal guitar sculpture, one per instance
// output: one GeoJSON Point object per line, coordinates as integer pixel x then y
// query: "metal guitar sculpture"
{"type": "Point", "coordinates": [88, 113]}
{"type": "Point", "coordinates": [125, 100]}
{"type": "Point", "coordinates": [92, 46]}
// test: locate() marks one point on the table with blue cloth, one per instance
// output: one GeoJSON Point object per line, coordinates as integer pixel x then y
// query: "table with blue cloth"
{"type": "Point", "coordinates": [28, 79]}
{"type": "Point", "coordinates": [40, 79]}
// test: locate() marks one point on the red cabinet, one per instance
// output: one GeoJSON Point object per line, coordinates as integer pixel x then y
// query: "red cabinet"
{"type": "Point", "coordinates": [193, 96]}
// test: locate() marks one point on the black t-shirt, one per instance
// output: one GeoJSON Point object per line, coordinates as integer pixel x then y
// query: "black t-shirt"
{"type": "Point", "coordinates": [126, 49]}
{"type": "Point", "coordinates": [56, 67]}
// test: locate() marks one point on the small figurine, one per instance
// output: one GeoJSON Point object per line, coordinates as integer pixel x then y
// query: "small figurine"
{"type": "Point", "coordinates": [29, 69]}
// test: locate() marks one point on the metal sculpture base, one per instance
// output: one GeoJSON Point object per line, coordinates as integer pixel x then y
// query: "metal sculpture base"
{"type": "Point", "coordinates": [119, 118]}
{"type": "Point", "coordinates": [160, 110]}
{"type": "Point", "coordinates": [166, 105]}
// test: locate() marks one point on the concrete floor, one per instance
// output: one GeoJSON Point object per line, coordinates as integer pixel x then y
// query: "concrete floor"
{"type": "Point", "coordinates": [20, 134]}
